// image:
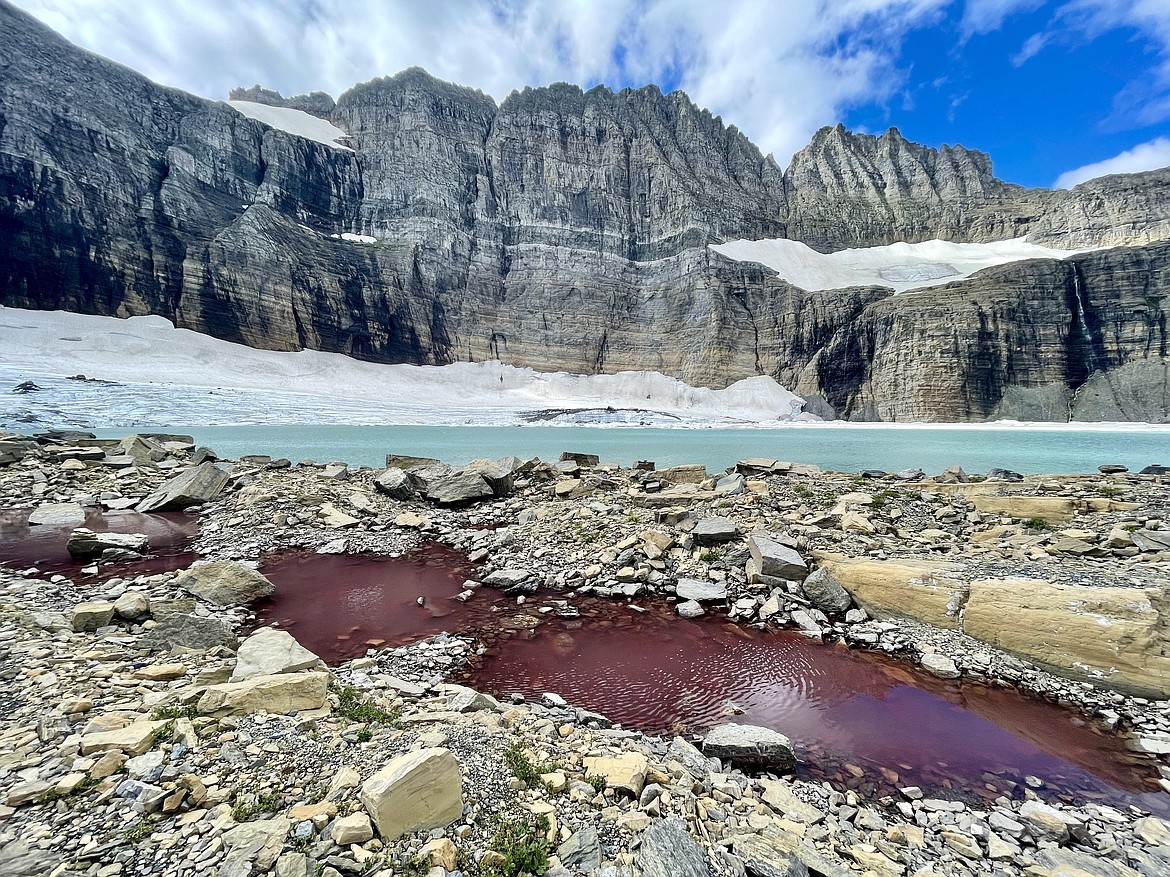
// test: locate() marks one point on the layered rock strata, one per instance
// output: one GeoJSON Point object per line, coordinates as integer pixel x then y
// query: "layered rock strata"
{"type": "Point", "coordinates": [567, 230]}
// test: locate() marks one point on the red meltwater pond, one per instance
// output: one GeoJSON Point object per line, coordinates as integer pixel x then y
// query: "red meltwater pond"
{"type": "Point", "coordinates": [858, 719]}
{"type": "Point", "coordinates": [23, 545]}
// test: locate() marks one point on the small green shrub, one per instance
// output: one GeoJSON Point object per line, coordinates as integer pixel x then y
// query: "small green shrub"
{"type": "Point", "coordinates": [356, 707]}
{"type": "Point", "coordinates": [711, 555]}
{"type": "Point", "coordinates": [1037, 524]}
{"type": "Point", "coordinates": [139, 830]}
{"type": "Point", "coordinates": [597, 781]}
{"type": "Point", "coordinates": [266, 803]}
{"type": "Point", "coordinates": [523, 769]}
{"type": "Point", "coordinates": [175, 711]}
{"type": "Point", "coordinates": [523, 842]}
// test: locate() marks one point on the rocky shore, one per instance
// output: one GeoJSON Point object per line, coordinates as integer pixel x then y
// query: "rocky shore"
{"type": "Point", "coordinates": [144, 730]}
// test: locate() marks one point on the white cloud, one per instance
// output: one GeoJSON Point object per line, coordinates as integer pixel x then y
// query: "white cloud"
{"type": "Point", "coordinates": [777, 71]}
{"type": "Point", "coordinates": [985, 16]}
{"type": "Point", "coordinates": [1145, 157]}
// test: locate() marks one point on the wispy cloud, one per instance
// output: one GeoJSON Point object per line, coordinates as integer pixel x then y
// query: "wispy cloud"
{"type": "Point", "coordinates": [1145, 157]}
{"type": "Point", "coordinates": [776, 72]}
{"type": "Point", "coordinates": [985, 16]}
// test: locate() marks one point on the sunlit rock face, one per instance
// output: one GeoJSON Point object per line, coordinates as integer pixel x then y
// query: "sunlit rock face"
{"type": "Point", "coordinates": [568, 230]}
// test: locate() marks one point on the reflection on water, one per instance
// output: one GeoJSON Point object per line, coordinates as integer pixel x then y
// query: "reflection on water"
{"type": "Point", "coordinates": [170, 533]}
{"type": "Point", "coordinates": [861, 720]}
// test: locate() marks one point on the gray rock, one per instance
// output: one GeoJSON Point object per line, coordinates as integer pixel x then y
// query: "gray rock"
{"type": "Point", "coordinates": [582, 851]}
{"type": "Point", "coordinates": [224, 583]}
{"type": "Point", "coordinates": [459, 489]}
{"type": "Point", "coordinates": [58, 514]}
{"type": "Point", "coordinates": [84, 543]}
{"type": "Point", "coordinates": [395, 483]}
{"type": "Point", "coordinates": [750, 746]}
{"type": "Point", "coordinates": [18, 859]}
{"type": "Point", "coordinates": [775, 559]}
{"type": "Point", "coordinates": [998, 474]}
{"type": "Point", "coordinates": [588, 461]}
{"type": "Point", "coordinates": [730, 485]}
{"type": "Point", "coordinates": [468, 700]}
{"type": "Point", "coordinates": [825, 592]}
{"type": "Point", "coordinates": [765, 859]}
{"type": "Point", "coordinates": [188, 632]}
{"type": "Point", "coordinates": [701, 591]}
{"type": "Point", "coordinates": [690, 609]}
{"type": "Point", "coordinates": [1077, 864]}
{"type": "Point", "coordinates": [497, 476]}
{"type": "Point", "coordinates": [196, 486]}
{"type": "Point", "coordinates": [668, 850]}
{"type": "Point", "coordinates": [715, 531]}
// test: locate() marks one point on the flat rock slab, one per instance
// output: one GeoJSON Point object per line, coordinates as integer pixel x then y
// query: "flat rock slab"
{"type": "Point", "coordinates": [701, 591]}
{"type": "Point", "coordinates": [84, 543]}
{"type": "Point", "coordinates": [281, 694]}
{"type": "Point", "coordinates": [225, 583]}
{"type": "Point", "coordinates": [715, 531]}
{"type": "Point", "coordinates": [58, 514]}
{"type": "Point", "coordinates": [750, 746]}
{"type": "Point", "coordinates": [190, 632]}
{"type": "Point", "coordinates": [776, 559]}
{"type": "Point", "coordinates": [196, 486]}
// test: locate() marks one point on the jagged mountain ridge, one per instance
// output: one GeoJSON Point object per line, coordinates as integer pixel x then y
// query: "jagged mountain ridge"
{"type": "Point", "coordinates": [566, 230]}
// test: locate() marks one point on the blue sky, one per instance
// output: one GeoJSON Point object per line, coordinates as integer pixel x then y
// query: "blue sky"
{"type": "Point", "coordinates": [1054, 90]}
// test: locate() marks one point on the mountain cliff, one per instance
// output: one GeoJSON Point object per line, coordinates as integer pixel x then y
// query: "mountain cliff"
{"type": "Point", "coordinates": [568, 230]}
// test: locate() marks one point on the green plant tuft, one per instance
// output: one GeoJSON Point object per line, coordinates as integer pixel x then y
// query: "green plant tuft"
{"type": "Point", "coordinates": [523, 842]}
{"type": "Point", "coordinates": [1037, 524]}
{"type": "Point", "coordinates": [356, 707]}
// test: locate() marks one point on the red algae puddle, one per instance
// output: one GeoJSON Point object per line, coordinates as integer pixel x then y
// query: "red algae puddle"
{"type": "Point", "coordinates": [23, 545]}
{"type": "Point", "coordinates": [858, 719]}
{"type": "Point", "coordinates": [338, 605]}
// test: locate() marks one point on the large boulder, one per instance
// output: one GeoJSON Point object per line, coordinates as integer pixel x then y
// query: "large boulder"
{"type": "Point", "coordinates": [825, 591]}
{"type": "Point", "coordinates": [497, 475]}
{"type": "Point", "coordinates": [772, 558]}
{"type": "Point", "coordinates": [225, 583]}
{"type": "Point", "coordinates": [84, 543]}
{"type": "Point", "coordinates": [395, 483]}
{"type": "Point", "coordinates": [459, 489]}
{"type": "Point", "coordinates": [417, 791]}
{"type": "Point", "coordinates": [281, 694]}
{"type": "Point", "coordinates": [196, 486]}
{"type": "Point", "coordinates": [188, 632]}
{"type": "Point", "coordinates": [269, 652]}
{"type": "Point", "coordinates": [750, 746]}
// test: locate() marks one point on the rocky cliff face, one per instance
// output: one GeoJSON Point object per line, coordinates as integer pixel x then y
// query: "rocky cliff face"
{"type": "Point", "coordinates": [566, 230]}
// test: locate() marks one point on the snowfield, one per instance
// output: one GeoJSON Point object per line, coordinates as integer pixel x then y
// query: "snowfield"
{"type": "Point", "coordinates": [166, 375]}
{"type": "Point", "coordinates": [293, 121]}
{"type": "Point", "coordinates": [901, 267]}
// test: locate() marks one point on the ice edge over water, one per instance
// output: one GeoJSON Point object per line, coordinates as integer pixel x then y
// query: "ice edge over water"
{"type": "Point", "coordinates": [157, 366]}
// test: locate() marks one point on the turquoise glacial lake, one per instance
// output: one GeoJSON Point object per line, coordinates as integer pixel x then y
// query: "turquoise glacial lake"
{"type": "Point", "coordinates": [843, 448]}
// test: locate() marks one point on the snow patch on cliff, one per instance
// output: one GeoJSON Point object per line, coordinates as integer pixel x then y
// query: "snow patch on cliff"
{"type": "Point", "coordinates": [176, 376]}
{"type": "Point", "coordinates": [901, 267]}
{"type": "Point", "coordinates": [293, 121]}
